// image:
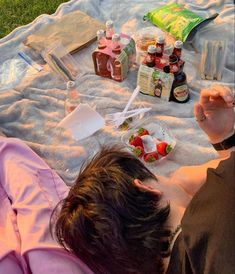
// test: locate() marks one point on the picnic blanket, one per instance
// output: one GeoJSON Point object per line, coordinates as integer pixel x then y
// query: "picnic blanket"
{"type": "Point", "coordinates": [32, 103]}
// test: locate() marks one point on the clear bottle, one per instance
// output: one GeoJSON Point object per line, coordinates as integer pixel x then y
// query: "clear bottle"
{"type": "Point", "coordinates": [116, 43]}
{"type": "Point", "coordinates": [179, 90]}
{"type": "Point", "coordinates": [73, 99]}
{"type": "Point", "coordinates": [151, 55]}
{"type": "Point", "coordinates": [101, 59]}
{"type": "Point", "coordinates": [160, 46]}
{"type": "Point", "coordinates": [116, 67]}
{"type": "Point", "coordinates": [101, 41]}
{"type": "Point", "coordinates": [109, 30]}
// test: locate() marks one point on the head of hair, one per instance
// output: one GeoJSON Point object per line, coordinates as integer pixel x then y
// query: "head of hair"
{"type": "Point", "coordinates": [110, 223]}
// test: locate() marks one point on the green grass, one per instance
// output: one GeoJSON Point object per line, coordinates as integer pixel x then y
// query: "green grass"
{"type": "Point", "coordinates": [15, 13]}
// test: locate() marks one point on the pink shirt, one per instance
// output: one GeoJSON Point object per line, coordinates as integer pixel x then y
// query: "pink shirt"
{"type": "Point", "coordinates": [29, 191]}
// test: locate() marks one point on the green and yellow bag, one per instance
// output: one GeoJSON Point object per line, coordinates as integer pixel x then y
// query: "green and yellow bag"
{"type": "Point", "coordinates": [177, 20]}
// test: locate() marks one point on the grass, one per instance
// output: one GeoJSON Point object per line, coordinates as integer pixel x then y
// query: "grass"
{"type": "Point", "coordinates": [15, 13]}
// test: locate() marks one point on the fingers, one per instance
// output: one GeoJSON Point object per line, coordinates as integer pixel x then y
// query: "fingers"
{"type": "Point", "coordinates": [215, 92]}
{"type": "Point", "coordinates": [199, 114]}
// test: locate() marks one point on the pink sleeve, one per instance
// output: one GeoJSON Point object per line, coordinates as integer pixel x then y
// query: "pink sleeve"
{"type": "Point", "coordinates": [34, 190]}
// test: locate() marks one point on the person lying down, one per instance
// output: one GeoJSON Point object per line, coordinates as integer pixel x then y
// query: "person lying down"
{"type": "Point", "coordinates": [118, 217]}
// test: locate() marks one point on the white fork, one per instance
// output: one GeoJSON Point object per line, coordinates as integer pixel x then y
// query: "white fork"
{"type": "Point", "coordinates": [113, 118]}
{"type": "Point", "coordinates": [122, 118]}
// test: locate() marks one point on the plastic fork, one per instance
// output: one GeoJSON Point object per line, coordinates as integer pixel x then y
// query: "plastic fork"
{"type": "Point", "coordinates": [132, 98]}
{"type": "Point", "coordinates": [117, 118]}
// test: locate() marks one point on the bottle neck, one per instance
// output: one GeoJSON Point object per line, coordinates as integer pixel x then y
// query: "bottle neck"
{"type": "Point", "coordinates": [177, 52]}
{"type": "Point", "coordinates": [109, 33]}
{"type": "Point", "coordinates": [73, 93]}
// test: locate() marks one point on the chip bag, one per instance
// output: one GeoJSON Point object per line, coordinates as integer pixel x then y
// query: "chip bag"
{"type": "Point", "coordinates": [177, 20]}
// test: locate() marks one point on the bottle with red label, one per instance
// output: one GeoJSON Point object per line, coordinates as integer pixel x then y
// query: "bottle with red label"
{"type": "Point", "coordinates": [179, 90]}
{"type": "Point", "coordinates": [73, 98]}
{"type": "Point", "coordinates": [160, 46]}
{"type": "Point", "coordinates": [178, 45]}
{"type": "Point", "coordinates": [151, 55]}
{"type": "Point", "coordinates": [109, 30]}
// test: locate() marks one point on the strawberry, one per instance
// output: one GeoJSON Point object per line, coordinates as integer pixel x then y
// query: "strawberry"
{"type": "Point", "coordinates": [163, 148]}
{"type": "Point", "coordinates": [151, 157]}
{"type": "Point", "coordinates": [135, 141]}
{"type": "Point", "coordinates": [138, 151]}
{"type": "Point", "coordinates": [142, 131]}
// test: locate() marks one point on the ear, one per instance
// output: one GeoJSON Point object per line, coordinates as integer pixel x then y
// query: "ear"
{"type": "Point", "coordinates": [144, 187]}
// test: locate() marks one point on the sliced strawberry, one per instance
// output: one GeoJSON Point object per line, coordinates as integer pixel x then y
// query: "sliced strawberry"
{"type": "Point", "coordinates": [163, 148]}
{"type": "Point", "coordinates": [138, 151]}
{"type": "Point", "coordinates": [135, 141]}
{"type": "Point", "coordinates": [142, 131]}
{"type": "Point", "coordinates": [150, 157]}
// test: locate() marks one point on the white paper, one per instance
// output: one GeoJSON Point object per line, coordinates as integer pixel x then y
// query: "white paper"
{"type": "Point", "coordinates": [82, 122]}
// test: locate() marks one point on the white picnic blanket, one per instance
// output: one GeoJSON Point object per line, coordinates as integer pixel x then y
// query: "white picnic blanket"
{"type": "Point", "coordinates": [32, 103]}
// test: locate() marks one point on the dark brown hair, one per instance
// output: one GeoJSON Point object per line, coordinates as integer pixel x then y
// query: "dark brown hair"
{"type": "Point", "coordinates": [111, 224]}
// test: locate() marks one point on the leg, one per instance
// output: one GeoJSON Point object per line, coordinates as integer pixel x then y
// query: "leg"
{"type": "Point", "coordinates": [34, 190]}
{"type": "Point", "coordinates": [9, 241]}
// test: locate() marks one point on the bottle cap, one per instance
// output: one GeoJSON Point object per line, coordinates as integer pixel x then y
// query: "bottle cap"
{"type": "Point", "coordinates": [173, 59]}
{"type": "Point", "coordinates": [152, 49]}
{"type": "Point", "coordinates": [70, 84]}
{"type": "Point", "coordinates": [161, 39]}
{"type": "Point", "coordinates": [116, 37]}
{"type": "Point", "coordinates": [100, 33]}
{"type": "Point", "coordinates": [178, 44]}
{"type": "Point", "coordinates": [109, 24]}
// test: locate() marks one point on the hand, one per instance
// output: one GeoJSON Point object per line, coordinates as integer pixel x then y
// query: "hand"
{"type": "Point", "coordinates": [215, 113]}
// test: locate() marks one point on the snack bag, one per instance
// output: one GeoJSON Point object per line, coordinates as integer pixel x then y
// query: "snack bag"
{"type": "Point", "coordinates": [177, 20]}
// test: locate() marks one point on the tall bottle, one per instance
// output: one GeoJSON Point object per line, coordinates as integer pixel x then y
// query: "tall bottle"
{"type": "Point", "coordinates": [116, 68]}
{"type": "Point", "coordinates": [150, 58]}
{"type": "Point", "coordinates": [73, 99]}
{"type": "Point", "coordinates": [101, 59]}
{"type": "Point", "coordinates": [177, 51]}
{"type": "Point", "coordinates": [179, 90]}
{"type": "Point", "coordinates": [101, 41]}
{"type": "Point", "coordinates": [109, 30]}
{"type": "Point", "coordinates": [160, 46]}
{"type": "Point", "coordinates": [116, 43]}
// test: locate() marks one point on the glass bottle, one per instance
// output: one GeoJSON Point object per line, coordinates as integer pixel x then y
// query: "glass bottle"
{"type": "Point", "coordinates": [179, 90]}
{"type": "Point", "coordinates": [178, 45]}
{"type": "Point", "coordinates": [101, 41]}
{"type": "Point", "coordinates": [150, 58]}
{"type": "Point", "coordinates": [101, 59]}
{"type": "Point", "coordinates": [116, 68]}
{"type": "Point", "coordinates": [73, 99]}
{"type": "Point", "coordinates": [160, 46]}
{"type": "Point", "coordinates": [116, 45]}
{"type": "Point", "coordinates": [109, 30]}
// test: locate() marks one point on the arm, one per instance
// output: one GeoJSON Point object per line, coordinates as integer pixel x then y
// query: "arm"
{"type": "Point", "coordinates": [215, 116]}
{"type": "Point", "coordinates": [191, 178]}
